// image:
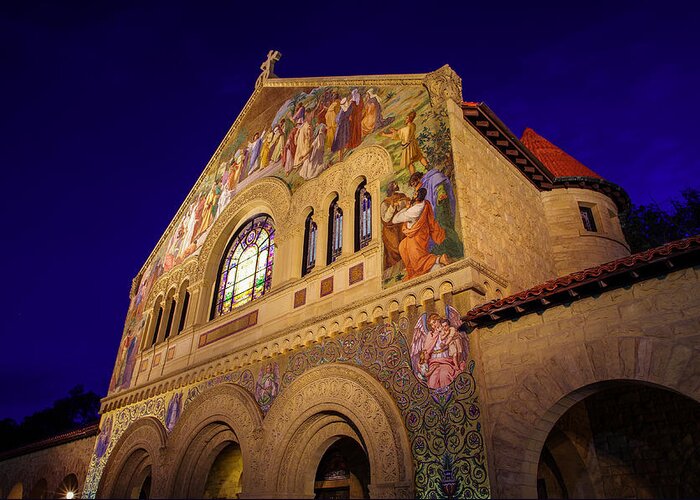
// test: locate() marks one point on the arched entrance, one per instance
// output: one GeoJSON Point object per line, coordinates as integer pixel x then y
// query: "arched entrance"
{"type": "Point", "coordinates": [134, 465]}
{"type": "Point", "coordinates": [342, 406]}
{"type": "Point", "coordinates": [224, 478]}
{"type": "Point", "coordinates": [523, 422]}
{"type": "Point", "coordinates": [343, 471]}
{"type": "Point", "coordinates": [212, 446]}
{"type": "Point", "coordinates": [626, 440]}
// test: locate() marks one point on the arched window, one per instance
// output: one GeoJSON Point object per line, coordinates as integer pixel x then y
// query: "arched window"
{"type": "Point", "coordinates": [309, 254]}
{"type": "Point", "coordinates": [183, 312]}
{"type": "Point", "coordinates": [171, 315]}
{"type": "Point", "coordinates": [245, 273]}
{"type": "Point", "coordinates": [156, 328]}
{"type": "Point", "coordinates": [335, 231]}
{"type": "Point", "coordinates": [363, 216]}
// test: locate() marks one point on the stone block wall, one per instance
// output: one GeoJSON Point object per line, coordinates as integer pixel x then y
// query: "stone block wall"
{"type": "Point", "coordinates": [536, 367]}
{"type": "Point", "coordinates": [502, 217]}
{"type": "Point", "coordinates": [573, 247]}
{"type": "Point", "coordinates": [51, 464]}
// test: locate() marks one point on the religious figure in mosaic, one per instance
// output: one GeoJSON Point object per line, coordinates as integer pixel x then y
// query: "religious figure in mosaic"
{"type": "Point", "coordinates": [104, 437]}
{"type": "Point", "coordinates": [267, 386]}
{"type": "Point", "coordinates": [439, 349]}
{"type": "Point", "coordinates": [421, 230]}
{"type": "Point", "coordinates": [173, 411]}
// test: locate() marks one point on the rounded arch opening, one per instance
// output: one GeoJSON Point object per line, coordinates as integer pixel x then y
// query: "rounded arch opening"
{"type": "Point", "coordinates": [69, 487]}
{"type": "Point", "coordinates": [245, 269]}
{"type": "Point", "coordinates": [541, 397]}
{"type": "Point", "coordinates": [329, 403]}
{"type": "Point", "coordinates": [343, 471]}
{"type": "Point", "coordinates": [224, 477]}
{"type": "Point", "coordinates": [623, 439]}
{"type": "Point", "coordinates": [213, 441]}
{"type": "Point", "coordinates": [134, 463]}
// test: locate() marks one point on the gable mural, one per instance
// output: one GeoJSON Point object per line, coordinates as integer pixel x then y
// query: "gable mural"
{"type": "Point", "coordinates": [297, 133]}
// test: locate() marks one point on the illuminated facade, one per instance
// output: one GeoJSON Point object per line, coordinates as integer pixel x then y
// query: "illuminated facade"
{"type": "Point", "coordinates": [367, 293]}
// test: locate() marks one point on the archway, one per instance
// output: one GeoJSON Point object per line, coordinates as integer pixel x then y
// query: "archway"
{"type": "Point", "coordinates": [343, 471]}
{"type": "Point", "coordinates": [212, 445]}
{"type": "Point", "coordinates": [328, 404]}
{"type": "Point", "coordinates": [626, 440]}
{"type": "Point", "coordinates": [133, 469]}
{"type": "Point", "coordinates": [523, 422]}
{"type": "Point", "coordinates": [224, 478]}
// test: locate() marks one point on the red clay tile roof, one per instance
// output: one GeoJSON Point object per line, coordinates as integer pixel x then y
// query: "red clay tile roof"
{"type": "Point", "coordinates": [620, 272]}
{"type": "Point", "coordinates": [555, 159]}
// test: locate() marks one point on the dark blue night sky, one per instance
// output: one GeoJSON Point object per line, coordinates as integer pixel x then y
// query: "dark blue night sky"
{"type": "Point", "coordinates": [112, 109]}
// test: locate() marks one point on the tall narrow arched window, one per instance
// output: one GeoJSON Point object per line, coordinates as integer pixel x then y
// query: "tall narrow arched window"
{"type": "Point", "coordinates": [245, 273]}
{"type": "Point", "coordinates": [183, 311]}
{"type": "Point", "coordinates": [156, 328]}
{"type": "Point", "coordinates": [335, 231]}
{"type": "Point", "coordinates": [363, 216]}
{"type": "Point", "coordinates": [171, 315]}
{"type": "Point", "coordinates": [309, 254]}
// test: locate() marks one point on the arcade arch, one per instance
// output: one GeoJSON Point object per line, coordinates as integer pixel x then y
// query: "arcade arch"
{"type": "Point", "coordinates": [543, 397]}
{"type": "Point", "coordinates": [134, 466]}
{"type": "Point", "coordinates": [218, 428]}
{"type": "Point", "coordinates": [322, 406]}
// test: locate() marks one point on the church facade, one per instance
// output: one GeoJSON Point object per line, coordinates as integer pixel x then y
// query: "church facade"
{"type": "Point", "coordinates": [375, 289]}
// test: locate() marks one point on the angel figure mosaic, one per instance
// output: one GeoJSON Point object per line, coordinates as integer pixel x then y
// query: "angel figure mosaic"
{"type": "Point", "coordinates": [439, 350]}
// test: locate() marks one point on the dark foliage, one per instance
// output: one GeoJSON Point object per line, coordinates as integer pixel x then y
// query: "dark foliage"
{"type": "Point", "coordinates": [648, 226]}
{"type": "Point", "coordinates": [77, 410]}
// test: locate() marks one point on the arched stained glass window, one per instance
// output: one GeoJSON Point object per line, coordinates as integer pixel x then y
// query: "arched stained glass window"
{"type": "Point", "coordinates": [363, 217]}
{"type": "Point", "coordinates": [335, 231]}
{"type": "Point", "coordinates": [246, 269]}
{"type": "Point", "coordinates": [310, 232]}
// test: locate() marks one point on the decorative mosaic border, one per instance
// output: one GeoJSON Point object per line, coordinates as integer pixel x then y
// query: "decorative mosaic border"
{"type": "Point", "coordinates": [443, 425]}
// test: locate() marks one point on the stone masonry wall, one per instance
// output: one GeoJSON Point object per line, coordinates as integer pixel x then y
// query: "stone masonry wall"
{"type": "Point", "coordinates": [502, 216]}
{"type": "Point", "coordinates": [534, 368]}
{"type": "Point", "coordinates": [51, 464]}
{"type": "Point", "coordinates": [573, 247]}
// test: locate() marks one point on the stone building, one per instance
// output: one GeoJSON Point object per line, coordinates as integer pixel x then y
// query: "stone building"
{"type": "Point", "coordinates": [375, 289]}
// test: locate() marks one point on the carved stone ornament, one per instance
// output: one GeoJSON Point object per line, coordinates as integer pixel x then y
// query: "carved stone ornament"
{"type": "Point", "coordinates": [443, 84]}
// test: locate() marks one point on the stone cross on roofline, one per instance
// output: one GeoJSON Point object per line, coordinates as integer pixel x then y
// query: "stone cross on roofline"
{"type": "Point", "coordinates": [268, 67]}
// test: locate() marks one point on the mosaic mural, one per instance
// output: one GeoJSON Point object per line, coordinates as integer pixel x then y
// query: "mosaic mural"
{"type": "Point", "coordinates": [443, 424]}
{"type": "Point", "coordinates": [439, 350]}
{"type": "Point", "coordinates": [297, 133]}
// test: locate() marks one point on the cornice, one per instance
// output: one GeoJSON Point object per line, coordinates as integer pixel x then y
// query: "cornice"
{"type": "Point", "coordinates": [347, 81]}
{"type": "Point", "coordinates": [369, 302]}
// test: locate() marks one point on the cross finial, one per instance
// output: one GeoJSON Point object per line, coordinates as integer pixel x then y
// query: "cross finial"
{"type": "Point", "coordinates": [268, 67]}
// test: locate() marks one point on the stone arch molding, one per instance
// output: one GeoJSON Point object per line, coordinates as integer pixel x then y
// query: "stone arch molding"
{"type": "Point", "coordinates": [322, 405]}
{"type": "Point", "coordinates": [217, 416]}
{"type": "Point", "coordinates": [535, 404]}
{"type": "Point", "coordinates": [270, 195]}
{"type": "Point", "coordinates": [144, 441]}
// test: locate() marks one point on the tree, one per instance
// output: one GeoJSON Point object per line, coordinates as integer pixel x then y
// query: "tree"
{"type": "Point", "coordinates": [648, 226]}
{"type": "Point", "coordinates": [77, 410]}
